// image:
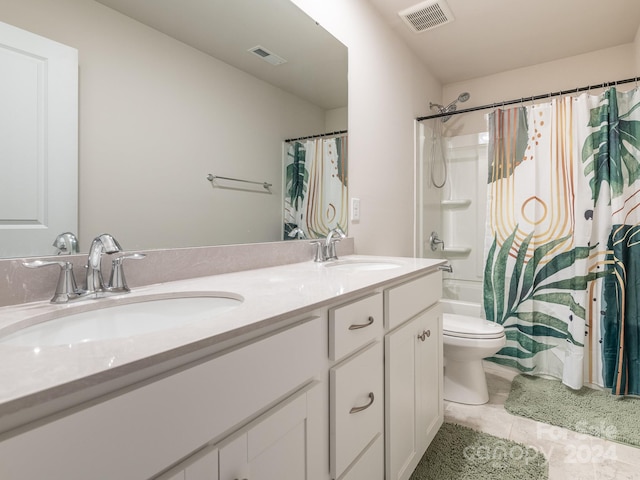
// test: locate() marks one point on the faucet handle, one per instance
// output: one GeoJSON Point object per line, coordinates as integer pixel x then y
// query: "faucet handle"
{"type": "Point", "coordinates": [66, 289]}
{"type": "Point", "coordinates": [117, 281]}
{"type": "Point", "coordinates": [319, 254]}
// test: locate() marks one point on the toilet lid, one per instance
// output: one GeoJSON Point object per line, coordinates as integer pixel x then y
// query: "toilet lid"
{"type": "Point", "coordinates": [470, 327]}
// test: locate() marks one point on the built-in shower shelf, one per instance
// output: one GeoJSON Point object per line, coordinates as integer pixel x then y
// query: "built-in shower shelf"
{"type": "Point", "coordinates": [456, 203]}
{"type": "Point", "coordinates": [456, 251]}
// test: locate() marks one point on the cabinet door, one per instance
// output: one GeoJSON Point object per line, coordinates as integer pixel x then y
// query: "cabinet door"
{"type": "Point", "coordinates": [413, 391]}
{"type": "Point", "coordinates": [273, 448]}
{"type": "Point", "coordinates": [204, 468]}
{"type": "Point", "coordinates": [370, 465]}
{"type": "Point", "coordinates": [429, 377]}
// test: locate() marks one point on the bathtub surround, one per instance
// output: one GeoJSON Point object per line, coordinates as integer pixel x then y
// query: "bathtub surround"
{"type": "Point", "coordinates": [587, 411]}
{"type": "Point", "coordinates": [459, 452]}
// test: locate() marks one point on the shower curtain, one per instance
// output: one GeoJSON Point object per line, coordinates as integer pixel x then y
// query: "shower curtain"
{"type": "Point", "coordinates": [316, 186]}
{"type": "Point", "coordinates": [561, 256]}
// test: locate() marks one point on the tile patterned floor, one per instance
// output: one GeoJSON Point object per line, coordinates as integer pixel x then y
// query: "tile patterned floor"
{"type": "Point", "coordinates": [571, 455]}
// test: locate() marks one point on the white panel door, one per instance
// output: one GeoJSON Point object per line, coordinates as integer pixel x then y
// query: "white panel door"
{"type": "Point", "coordinates": [413, 391]}
{"type": "Point", "coordinates": [275, 447]}
{"type": "Point", "coordinates": [38, 142]}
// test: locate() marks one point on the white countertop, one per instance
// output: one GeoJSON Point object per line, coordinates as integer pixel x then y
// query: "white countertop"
{"type": "Point", "coordinates": [31, 376]}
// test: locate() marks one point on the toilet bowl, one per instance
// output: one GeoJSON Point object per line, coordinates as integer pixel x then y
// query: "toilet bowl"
{"type": "Point", "coordinates": [466, 341]}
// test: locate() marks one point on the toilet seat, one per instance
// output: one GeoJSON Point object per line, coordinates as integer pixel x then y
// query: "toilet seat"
{"type": "Point", "coordinates": [463, 326]}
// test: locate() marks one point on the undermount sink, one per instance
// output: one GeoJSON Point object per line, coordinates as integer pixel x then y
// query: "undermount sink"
{"type": "Point", "coordinates": [361, 265]}
{"type": "Point", "coordinates": [141, 315]}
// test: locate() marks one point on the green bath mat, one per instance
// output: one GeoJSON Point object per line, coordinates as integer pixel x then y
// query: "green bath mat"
{"type": "Point", "coordinates": [461, 453]}
{"type": "Point", "coordinates": [589, 411]}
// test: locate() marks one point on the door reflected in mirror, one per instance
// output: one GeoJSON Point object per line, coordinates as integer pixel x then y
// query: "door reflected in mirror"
{"type": "Point", "coordinates": [163, 103]}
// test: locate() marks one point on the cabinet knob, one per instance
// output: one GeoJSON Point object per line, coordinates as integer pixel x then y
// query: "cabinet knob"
{"type": "Point", "coordinates": [362, 325]}
{"type": "Point", "coordinates": [424, 335]}
{"type": "Point", "coordinates": [364, 407]}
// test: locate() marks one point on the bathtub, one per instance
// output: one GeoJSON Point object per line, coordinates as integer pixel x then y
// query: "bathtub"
{"type": "Point", "coordinates": [462, 297]}
{"type": "Point", "coordinates": [461, 307]}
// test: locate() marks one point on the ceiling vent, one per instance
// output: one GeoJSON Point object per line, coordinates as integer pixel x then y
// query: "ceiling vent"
{"type": "Point", "coordinates": [427, 15]}
{"type": "Point", "coordinates": [267, 56]}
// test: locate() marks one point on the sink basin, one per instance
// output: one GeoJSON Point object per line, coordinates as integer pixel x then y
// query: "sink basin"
{"type": "Point", "coordinates": [146, 314]}
{"type": "Point", "coordinates": [361, 265]}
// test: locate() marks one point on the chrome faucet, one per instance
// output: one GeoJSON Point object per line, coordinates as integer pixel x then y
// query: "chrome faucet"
{"type": "Point", "coordinates": [67, 289]}
{"type": "Point", "coordinates": [330, 243]}
{"type": "Point", "coordinates": [297, 233]}
{"type": "Point", "coordinates": [102, 244]}
{"type": "Point", "coordinates": [327, 250]}
{"type": "Point", "coordinates": [66, 243]}
{"type": "Point", "coordinates": [434, 241]}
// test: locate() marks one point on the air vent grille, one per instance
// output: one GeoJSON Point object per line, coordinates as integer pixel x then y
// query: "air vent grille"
{"type": "Point", "coordinates": [427, 15]}
{"type": "Point", "coordinates": [267, 56]}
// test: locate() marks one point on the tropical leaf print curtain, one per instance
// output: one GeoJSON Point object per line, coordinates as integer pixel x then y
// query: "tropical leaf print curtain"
{"type": "Point", "coordinates": [560, 258]}
{"type": "Point", "coordinates": [316, 186]}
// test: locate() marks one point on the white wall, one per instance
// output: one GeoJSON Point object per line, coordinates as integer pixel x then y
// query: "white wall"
{"type": "Point", "coordinates": [336, 120]}
{"type": "Point", "coordinates": [388, 89]}
{"type": "Point", "coordinates": [637, 52]}
{"type": "Point", "coordinates": [157, 116]}
{"type": "Point", "coordinates": [592, 68]}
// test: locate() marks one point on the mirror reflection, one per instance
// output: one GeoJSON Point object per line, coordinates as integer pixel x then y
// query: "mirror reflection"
{"type": "Point", "coordinates": [168, 97]}
{"type": "Point", "coordinates": [316, 187]}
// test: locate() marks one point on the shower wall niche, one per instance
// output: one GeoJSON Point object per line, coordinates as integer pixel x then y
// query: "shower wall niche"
{"type": "Point", "coordinates": [461, 210]}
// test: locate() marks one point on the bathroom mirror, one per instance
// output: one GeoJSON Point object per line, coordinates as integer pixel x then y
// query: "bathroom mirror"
{"type": "Point", "coordinates": [170, 92]}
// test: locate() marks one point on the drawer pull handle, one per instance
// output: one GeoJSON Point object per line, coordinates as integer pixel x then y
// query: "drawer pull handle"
{"type": "Point", "coordinates": [424, 335]}
{"type": "Point", "coordinates": [362, 325]}
{"type": "Point", "coordinates": [364, 407]}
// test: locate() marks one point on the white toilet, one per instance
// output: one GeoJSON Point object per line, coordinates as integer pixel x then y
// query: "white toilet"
{"type": "Point", "coordinates": [467, 340]}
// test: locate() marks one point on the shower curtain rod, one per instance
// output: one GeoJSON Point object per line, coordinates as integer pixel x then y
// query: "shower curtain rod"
{"type": "Point", "coordinates": [319, 135]}
{"type": "Point", "coordinates": [529, 99]}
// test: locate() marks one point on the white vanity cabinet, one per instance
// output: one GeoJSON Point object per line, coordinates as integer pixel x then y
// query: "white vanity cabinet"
{"type": "Point", "coordinates": [413, 373]}
{"type": "Point", "coordinates": [141, 432]}
{"type": "Point", "coordinates": [347, 388]}
{"type": "Point", "coordinates": [277, 445]}
{"type": "Point", "coordinates": [202, 466]}
{"type": "Point", "coordinates": [356, 386]}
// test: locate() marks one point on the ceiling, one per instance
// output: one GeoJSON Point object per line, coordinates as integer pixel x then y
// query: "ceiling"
{"type": "Point", "coordinates": [492, 36]}
{"type": "Point", "coordinates": [316, 67]}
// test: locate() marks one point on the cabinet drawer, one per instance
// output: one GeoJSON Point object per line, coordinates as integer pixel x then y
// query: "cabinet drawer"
{"type": "Point", "coordinates": [353, 325]}
{"type": "Point", "coordinates": [356, 406]}
{"type": "Point", "coordinates": [407, 300]}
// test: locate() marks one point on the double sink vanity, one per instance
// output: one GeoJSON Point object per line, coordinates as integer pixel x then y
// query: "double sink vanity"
{"type": "Point", "coordinates": [310, 370]}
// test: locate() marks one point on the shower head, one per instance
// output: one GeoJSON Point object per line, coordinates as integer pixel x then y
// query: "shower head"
{"type": "Point", "coordinates": [463, 97]}
{"type": "Point", "coordinates": [452, 107]}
